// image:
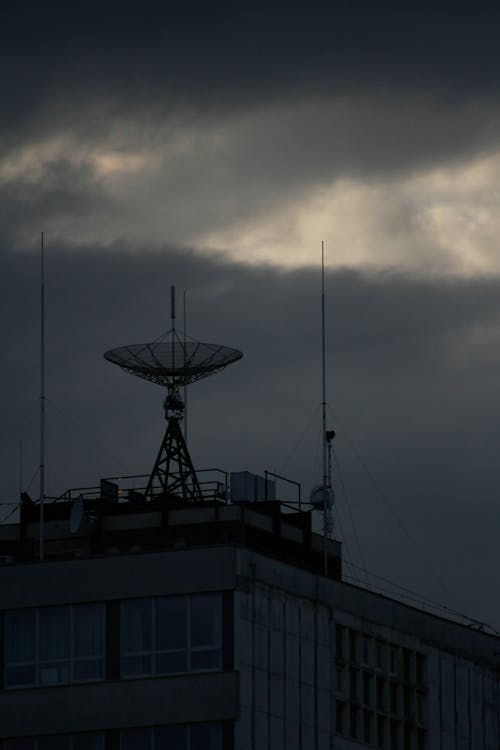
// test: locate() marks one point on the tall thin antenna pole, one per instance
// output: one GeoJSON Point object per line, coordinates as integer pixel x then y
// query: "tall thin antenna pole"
{"type": "Point", "coordinates": [185, 384]}
{"type": "Point", "coordinates": [323, 410]}
{"type": "Point", "coordinates": [172, 317]}
{"type": "Point", "coordinates": [42, 398]}
{"type": "Point", "coordinates": [20, 467]}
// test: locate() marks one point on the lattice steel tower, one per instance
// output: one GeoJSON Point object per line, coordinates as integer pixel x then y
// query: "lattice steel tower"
{"type": "Point", "coordinates": [172, 361]}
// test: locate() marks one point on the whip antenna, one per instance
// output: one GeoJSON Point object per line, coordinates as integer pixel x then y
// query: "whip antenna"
{"type": "Point", "coordinates": [42, 397]}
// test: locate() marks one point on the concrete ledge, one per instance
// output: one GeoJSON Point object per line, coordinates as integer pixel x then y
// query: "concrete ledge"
{"type": "Point", "coordinates": [118, 577]}
{"type": "Point", "coordinates": [120, 705]}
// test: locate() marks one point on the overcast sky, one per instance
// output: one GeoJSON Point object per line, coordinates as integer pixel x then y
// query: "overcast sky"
{"type": "Point", "coordinates": [214, 146]}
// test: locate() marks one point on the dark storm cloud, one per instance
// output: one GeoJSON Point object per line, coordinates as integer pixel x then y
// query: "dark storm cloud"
{"type": "Point", "coordinates": [82, 67]}
{"type": "Point", "coordinates": [413, 379]}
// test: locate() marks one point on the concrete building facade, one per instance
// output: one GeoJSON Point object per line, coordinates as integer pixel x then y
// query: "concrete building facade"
{"type": "Point", "coordinates": [213, 626]}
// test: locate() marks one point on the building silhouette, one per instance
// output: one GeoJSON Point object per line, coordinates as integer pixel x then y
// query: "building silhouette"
{"type": "Point", "coordinates": [210, 624]}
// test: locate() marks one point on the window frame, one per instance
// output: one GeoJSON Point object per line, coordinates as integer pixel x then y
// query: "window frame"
{"type": "Point", "coordinates": [154, 652]}
{"type": "Point", "coordinates": [188, 727]}
{"type": "Point", "coordinates": [72, 660]}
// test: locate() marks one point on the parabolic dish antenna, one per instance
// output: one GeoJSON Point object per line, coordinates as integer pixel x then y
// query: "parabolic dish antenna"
{"type": "Point", "coordinates": [173, 360]}
{"type": "Point", "coordinates": [321, 496]}
{"type": "Point", "coordinates": [163, 361]}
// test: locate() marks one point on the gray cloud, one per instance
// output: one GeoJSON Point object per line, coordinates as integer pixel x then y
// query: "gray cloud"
{"type": "Point", "coordinates": [411, 387]}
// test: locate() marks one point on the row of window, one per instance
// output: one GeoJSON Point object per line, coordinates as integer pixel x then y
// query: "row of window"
{"type": "Point", "coordinates": [362, 649]}
{"type": "Point", "coordinates": [378, 730]}
{"type": "Point", "coordinates": [207, 736]}
{"type": "Point", "coordinates": [161, 636]}
{"type": "Point", "coordinates": [376, 691]}
{"type": "Point", "coordinates": [87, 741]}
{"type": "Point", "coordinates": [380, 691]}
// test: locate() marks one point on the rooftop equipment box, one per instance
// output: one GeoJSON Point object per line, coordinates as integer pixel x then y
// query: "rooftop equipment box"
{"type": "Point", "coordinates": [251, 487]}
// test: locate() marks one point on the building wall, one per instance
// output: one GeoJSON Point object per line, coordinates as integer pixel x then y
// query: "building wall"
{"type": "Point", "coordinates": [120, 703]}
{"type": "Point", "coordinates": [288, 676]}
{"type": "Point", "coordinates": [289, 660]}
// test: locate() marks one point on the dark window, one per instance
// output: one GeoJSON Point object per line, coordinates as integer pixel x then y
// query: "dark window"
{"type": "Point", "coordinates": [379, 655]}
{"type": "Point", "coordinates": [170, 738]}
{"type": "Point", "coordinates": [54, 645]}
{"type": "Point", "coordinates": [86, 741]}
{"type": "Point", "coordinates": [367, 726]}
{"type": "Point", "coordinates": [339, 717]}
{"type": "Point", "coordinates": [380, 694]}
{"type": "Point", "coordinates": [353, 646]}
{"type": "Point", "coordinates": [21, 629]}
{"type": "Point", "coordinates": [339, 679]}
{"type": "Point", "coordinates": [353, 684]}
{"type": "Point", "coordinates": [206, 736]}
{"type": "Point", "coordinates": [421, 739]}
{"type": "Point", "coordinates": [353, 721]}
{"type": "Point", "coordinates": [136, 739]}
{"type": "Point", "coordinates": [420, 669]}
{"type": "Point", "coordinates": [407, 665]}
{"type": "Point", "coordinates": [59, 742]}
{"type": "Point", "coordinates": [380, 731]}
{"type": "Point", "coordinates": [407, 738]}
{"type": "Point", "coordinates": [367, 688]}
{"type": "Point", "coordinates": [394, 698]}
{"type": "Point", "coordinates": [366, 646]}
{"type": "Point", "coordinates": [393, 660]}
{"type": "Point", "coordinates": [339, 641]}
{"type": "Point", "coordinates": [407, 703]}
{"type": "Point", "coordinates": [420, 700]}
{"type": "Point", "coordinates": [171, 635]}
{"type": "Point", "coordinates": [395, 730]}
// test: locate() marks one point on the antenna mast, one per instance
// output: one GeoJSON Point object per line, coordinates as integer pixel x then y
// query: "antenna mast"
{"type": "Point", "coordinates": [323, 413]}
{"type": "Point", "coordinates": [185, 384]}
{"type": "Point", "coordinates": [42, 398]}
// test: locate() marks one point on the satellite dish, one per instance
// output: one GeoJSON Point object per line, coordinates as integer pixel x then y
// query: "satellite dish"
{"type": "Point", "coordinates": [321, 495]}
{"type": "Point", "coordinates": [163, 361]}
{"type": "Point", "coordinates": [77, 515]}
{"type": "Point", "coordinates": [173, 360]}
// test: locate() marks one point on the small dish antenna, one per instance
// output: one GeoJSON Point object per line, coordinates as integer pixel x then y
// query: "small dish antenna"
{"type": "Point", "coordinates": [77, 515]}
{"type": "Point", "coordinates": [322, 496]}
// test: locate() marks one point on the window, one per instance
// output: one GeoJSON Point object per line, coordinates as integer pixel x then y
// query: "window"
{"type": "Point", "coordinates": [86, 741]}
{"type": "Point", "coordinates": [207, 736]}
{"type": "Point", "coordinates": [353, 646]}
{"type": "Point", "coordinates": [339, 679]}
{"type": "Point", "coordinates": [420, 669]}
{"type": "Point", "coordinates": [171, 635]}
{"type": "Point", "coordinates": [339, 717]}
{"type": "Point", "coordinates": [393, 660]}
{"type": "Point", "coordinates": [394, 702]}
{"type": "Point", "coordinates": [353, 721]}
{"type": "Point", "coordinates": [379, 655]}
{"type": "Point", "coordinates": [367, 688]}
{"type": "Point", "coordinates": [407, 664]}
{"type": "Point", "coordinates": [380, 685]}
{"type": "Point", "coordinates": [380, 731]}
{"type": "Point", "coordinates": [421, 739]}
{"type": "Point", "coordinates": [339, 641]}
{"type": "Point", "coordinates": [353, 684]}
{"type": "Point", "coordinates": [395, 730]}
{"type": "Point", "coordinates": [55, 645]}
{"type": "Point", "coordinates": [366, 644]}
{"type": "Point", "coordinates": [367, 726]}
